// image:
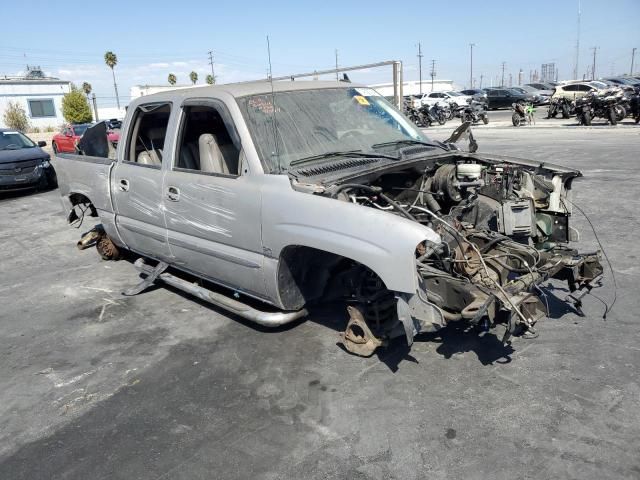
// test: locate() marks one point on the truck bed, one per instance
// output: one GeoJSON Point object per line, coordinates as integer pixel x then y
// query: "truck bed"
{"type": "Point", "coordinates": [85, 175]}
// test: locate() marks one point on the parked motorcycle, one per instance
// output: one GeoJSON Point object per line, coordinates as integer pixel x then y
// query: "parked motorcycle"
{"type": "Point", "coordinates": [454, 110]}
{"type": "Point", "coordinates": [440, 112]}
{"type": "Point", "coordinates": [560, 105]}
{"type": "Point", "coordinates": [634, 105]}
{"type": "Point", "coordinates": [597, 105]}
{"type": "Point", "coordinates": [522, 112]}
{"type": "Point", "coordinates": [474, 111]}
{"type": "Point", "coordinates": [414, 115]}
{"type": "Point", "coordinates": [432, 114]}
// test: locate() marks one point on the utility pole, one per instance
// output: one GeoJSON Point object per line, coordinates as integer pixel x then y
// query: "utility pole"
{"type": "Point", "coordinates": [520, 77]}
{"type": "Point", "coordinates": [95, 106]}
{"type": "Point", "coordinates": [433, 72]}
{"type": "Point", "coordinates": [502, 81]}
{"type": "Point", "coordinates": [577, 69]}
{"type": "Point", "coordinates": [337, 79]}
{"type": "Point", "coordinates": [420, 64]}
{"type": "Point", "coordinates": [471, 66]}
{"type": "Point", "coordinates": [510, 81]}
{"type": "Point", "coordinates": [481, 77]}
{"type": "Point", "coordinates": [633, 55]}
{"type": "Point", "coordinates": [593, 69]}
{"type": "Point", "coordinates": [211, 63]}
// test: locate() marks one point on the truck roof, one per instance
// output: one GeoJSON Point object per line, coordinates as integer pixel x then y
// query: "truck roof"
{"type": "Point", "coordinates": [243, 89]}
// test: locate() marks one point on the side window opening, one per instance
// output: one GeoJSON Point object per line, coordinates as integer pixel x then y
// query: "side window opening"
{"type": "Point", "coordinates": [149, 129]}
{"type": "Point", "coordinates": [205, 142]}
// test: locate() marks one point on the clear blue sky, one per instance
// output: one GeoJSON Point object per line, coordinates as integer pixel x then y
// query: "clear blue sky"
{"type": "Point", "coordinates": [154, 38]}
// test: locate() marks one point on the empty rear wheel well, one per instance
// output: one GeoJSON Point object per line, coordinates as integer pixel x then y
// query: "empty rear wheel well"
{"type": "Point", "coordinates": [84, 202]}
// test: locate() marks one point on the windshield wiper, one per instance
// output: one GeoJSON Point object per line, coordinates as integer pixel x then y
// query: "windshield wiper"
{"type": "Point", "coordinates": [344, 153]}
{"type": "Point", "coordinates": [11, 147]}
{"type": "Point", "coordinates": [406, 141]}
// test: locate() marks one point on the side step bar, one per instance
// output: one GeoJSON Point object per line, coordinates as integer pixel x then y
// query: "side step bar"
{"type": "Point", "coordinates": [267, 319]}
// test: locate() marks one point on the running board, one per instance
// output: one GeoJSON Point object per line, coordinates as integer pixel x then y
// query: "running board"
{"type": "Point", "coordinates": [267, 319]}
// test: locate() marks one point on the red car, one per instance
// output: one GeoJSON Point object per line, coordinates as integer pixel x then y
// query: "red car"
{"type": "Point", "coordinates": [66, 140]}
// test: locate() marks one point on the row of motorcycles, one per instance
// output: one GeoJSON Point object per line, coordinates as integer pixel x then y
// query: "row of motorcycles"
{"type": "Point", "coordinates": [612, 105]}
{"type": "Point", "coordinates": [427, 115]}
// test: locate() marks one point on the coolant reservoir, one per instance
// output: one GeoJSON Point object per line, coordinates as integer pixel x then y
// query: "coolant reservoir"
{"type": "Point", "coordinates": [469, 171]}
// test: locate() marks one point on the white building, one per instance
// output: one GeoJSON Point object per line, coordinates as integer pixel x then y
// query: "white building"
{"type": "Point", "coordinates": [40, 96]}
{"type": "Point", "coordinates": [412, 87]}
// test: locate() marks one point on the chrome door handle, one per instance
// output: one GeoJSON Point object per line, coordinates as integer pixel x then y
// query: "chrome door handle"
{"type": "Point", "coordinates": [124, 185]}
{"type": "Point", "coordinates": [173, 194]}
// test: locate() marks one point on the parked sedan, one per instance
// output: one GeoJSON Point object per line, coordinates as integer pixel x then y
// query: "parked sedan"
{"type": "Point", "coordinates": [540, 97]}
{"type": "Point", "coordinates": [23, 163]}
{"type": "Point", "coordinates": [476, 94]}
{"type": "Point", "coordinates": [443, 97]}
{"type": "Point", "coordinates": [66, 140]}
{"type": "Point", "coordinates": [573, 91]}
{"type": "Point", "coordinates": [622, 81]}
{"type": "Point", "coordinates": [544, 88]}
{"type": "Point", "coordinates": [504, 97]}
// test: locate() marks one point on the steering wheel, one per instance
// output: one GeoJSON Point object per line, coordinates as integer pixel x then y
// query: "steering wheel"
{"type": "Point", "coordinates": [351, 134]}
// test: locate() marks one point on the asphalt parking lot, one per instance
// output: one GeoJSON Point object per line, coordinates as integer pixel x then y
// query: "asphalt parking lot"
{"type": "Point", "coordinates": [159, 386]}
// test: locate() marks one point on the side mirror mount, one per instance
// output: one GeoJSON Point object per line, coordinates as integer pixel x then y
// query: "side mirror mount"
{"type": "Point", "coordinates": [42, 143]}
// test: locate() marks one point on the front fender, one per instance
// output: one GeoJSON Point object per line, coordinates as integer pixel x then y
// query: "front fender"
{"type": "Point", "coordinates": [382, 241]}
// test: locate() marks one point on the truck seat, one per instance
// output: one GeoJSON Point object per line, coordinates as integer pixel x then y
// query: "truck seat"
{"type": "Point", "coordinates": [211, 159]}
{"type": "Point", "coordinates": [151, 157]}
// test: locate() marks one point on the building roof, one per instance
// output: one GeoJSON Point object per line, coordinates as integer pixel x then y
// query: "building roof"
{"type": "Point", "coordinates": [32, 81]}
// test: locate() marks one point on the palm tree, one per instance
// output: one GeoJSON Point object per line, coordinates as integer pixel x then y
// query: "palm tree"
{"type": "Point", "coordinates": [111, 60]}
{"type": "Point", "coordinates": [86, 88]}
{"type": "Point", "coordinates": [172, 79]}
{"type": "Point", "coordinates": [194, 77]}
{"type": "Point", "coordinates": [211, 80]}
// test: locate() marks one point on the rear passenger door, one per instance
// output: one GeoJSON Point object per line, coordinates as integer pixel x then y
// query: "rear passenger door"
{"type": "Point", "coordinates": [212, 207]}
{"type": "Point", "coordinates": [137, 182]}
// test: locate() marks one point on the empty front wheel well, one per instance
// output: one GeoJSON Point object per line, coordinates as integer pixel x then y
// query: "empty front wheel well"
{"type": "Point", "coordinates": [306, 274]}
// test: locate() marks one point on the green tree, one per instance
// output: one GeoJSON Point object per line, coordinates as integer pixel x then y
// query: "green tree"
{"type": "Point", "coordinates": [211, 80]}
{"type": "Point", "coordinates": [194, 77]}
{"type": "Point", "coordinates": [172, 79]}
{"type": "Point", "coordinates": [111, 60]}
{"type": "Point", "coordinates": [75, 107]}
{"type": "Point", "coordinates": [15, 117]}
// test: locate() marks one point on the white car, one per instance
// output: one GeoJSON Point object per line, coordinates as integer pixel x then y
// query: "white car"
{"type": "Point", "coordinates": [449, 97]}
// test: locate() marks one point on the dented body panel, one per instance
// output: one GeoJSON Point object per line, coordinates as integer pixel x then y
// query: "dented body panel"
{"type": "Point", "coordinates": [411, 233]}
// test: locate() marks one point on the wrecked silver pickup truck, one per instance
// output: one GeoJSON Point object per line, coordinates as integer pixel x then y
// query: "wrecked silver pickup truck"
{"type": "Point", "coordinates": [302, 192]}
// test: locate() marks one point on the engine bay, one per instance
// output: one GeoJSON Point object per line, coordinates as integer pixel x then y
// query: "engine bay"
{"type": "Point", "coordinates": [504, 229]}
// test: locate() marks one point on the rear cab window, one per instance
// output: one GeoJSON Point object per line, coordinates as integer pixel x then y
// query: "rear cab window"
{"type": "Point", "coordinates": [147, 133]}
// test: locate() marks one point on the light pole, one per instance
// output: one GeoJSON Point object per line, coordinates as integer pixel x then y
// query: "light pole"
{"type": "Point", "coordinates": [471, 66]}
